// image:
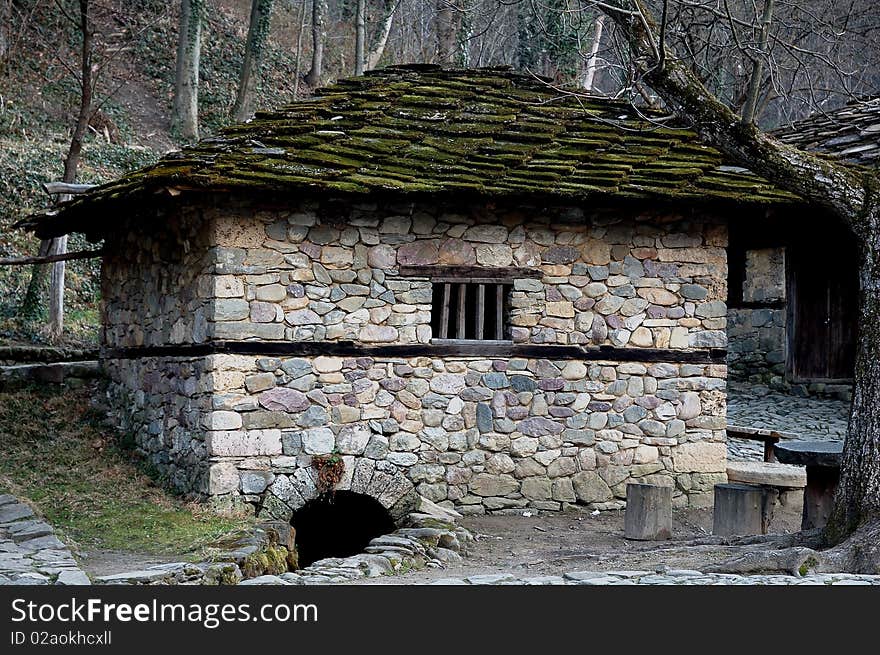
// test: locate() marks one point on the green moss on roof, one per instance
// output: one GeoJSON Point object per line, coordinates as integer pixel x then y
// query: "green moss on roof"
{"type": "Point", "coordinates": [421, 129]}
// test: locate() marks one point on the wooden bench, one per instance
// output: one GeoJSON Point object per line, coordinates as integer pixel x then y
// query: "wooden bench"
{"type": "Point", "coordinates": [745, 505]}
{"type": "Point", "coordinates": [769, 437]}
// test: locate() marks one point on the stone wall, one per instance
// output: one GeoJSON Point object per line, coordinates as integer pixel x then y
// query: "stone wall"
{"type": "Point", "coordinates": [483, 434]}
{"type": "Point", "coordinates": [156, 287]}
{"type": "Point", "coordinates": [757, 335]}
{"type": "Point", "coordinates": [156, 282]}
{"type": "Point", "coordinates": [160, 403]}
{"type": "Point", "coordinates": [480, 434]}
{"type": "Point", "coordinates": [646, 281]}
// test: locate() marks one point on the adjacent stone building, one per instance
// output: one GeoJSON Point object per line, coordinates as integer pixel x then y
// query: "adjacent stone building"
{"type": "Point", "coordinates": [470, 287]}
{"type": "Point", "coordinates": [793, 286]}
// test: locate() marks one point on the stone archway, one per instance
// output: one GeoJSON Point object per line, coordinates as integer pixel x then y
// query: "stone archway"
{"type": "Point", "coordinates": [340, 525]}
{"type": "Point", "coordinates": [378, 479]}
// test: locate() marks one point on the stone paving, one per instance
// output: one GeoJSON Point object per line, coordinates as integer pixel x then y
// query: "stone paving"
{"type": "Point", "coordinates": [666, 577]}
{"type": "Point", "coordinates": [810, 418]}
{"type": "Point", "coordinates": [30, 553]}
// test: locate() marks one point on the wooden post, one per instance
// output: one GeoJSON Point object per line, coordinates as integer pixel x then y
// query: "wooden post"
{"type": "Point", "coordinates": [56, 289]}
{"type": "Point", "coordinates": [462, 308]}
{"type": "Point", "coordinates": [481, 309]}
{"type": "Point", "coordinates": [739, 509]}
{"type": "Point", "coordinates": [499, 311]}
{"type": "Point", "coordinates": [444, 311]}
{"type": "Point", "coordinates": [648, 515]}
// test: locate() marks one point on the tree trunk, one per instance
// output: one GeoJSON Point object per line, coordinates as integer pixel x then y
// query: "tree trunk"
{"type": "Point", "coordinates": [751, 102]}
{"type": "Point", "coordinates": [858, 493]}
{"type": "Point", "coordinates": [360, 36]}
{"type": "Point", "coordinates": [447, 32]}
{"type": "Point", "coordinates": [258, 31]}
{"type": "Point", "coordinates": [593, 59]}
{"type": "Point", "coordinates": [378, 49]}
{"type": "Point", "coordinates": [185, 113]}
{"type": "Point", "coordinates": [5, 31]}
{"type": "Point", "coordinates": [299, 40]}
{"type": "Point", "coordinates": [319, 34]}
{"type": "Point", "coordinates": [71, 163]}
{"type": "Point", "coordinates": [32, 304]}
{"type": "Point", "coordinates": [32, 301]}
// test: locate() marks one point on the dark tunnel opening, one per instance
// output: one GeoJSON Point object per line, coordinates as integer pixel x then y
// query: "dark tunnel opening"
{"type": "Point", "coordinates": [338, 526]}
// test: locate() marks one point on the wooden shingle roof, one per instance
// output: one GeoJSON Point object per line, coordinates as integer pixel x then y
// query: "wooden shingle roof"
{"type": "Point", "coordinates": [423, 130]}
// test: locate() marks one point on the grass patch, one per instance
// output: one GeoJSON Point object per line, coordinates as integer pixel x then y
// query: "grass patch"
{"type": "Point", "coordinates": [57, 455]}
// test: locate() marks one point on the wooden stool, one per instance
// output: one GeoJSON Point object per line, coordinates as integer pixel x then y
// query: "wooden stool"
{"type": "Point", "coordinates": [648, 515]}
{"type": "Point", "coordinates": [742, 509]}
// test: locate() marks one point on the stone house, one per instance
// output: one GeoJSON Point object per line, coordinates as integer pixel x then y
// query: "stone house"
{"type": "Point", "coordinates": [793, 293]}
{"type": "Point", "coordinates": [470, 286]}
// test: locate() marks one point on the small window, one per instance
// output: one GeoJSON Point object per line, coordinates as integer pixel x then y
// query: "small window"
{"type": "Point", "coordinates": [470, 303]}
{"type": "Point", "coordinates": [470, 310]}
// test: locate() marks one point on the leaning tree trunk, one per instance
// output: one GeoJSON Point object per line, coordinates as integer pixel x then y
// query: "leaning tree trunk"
{"type": "Point", "coordinates": [185, 113]}
{"type": "Point", "coordinates": [850, 195]}
{"type": "Point", "coordinates": [378, 48]}
{"type": "Point", "coordinates": [589, 79]}
{"type": "Point", "coordinates": [258, 32]}
{"type": "Point", "coordinates": [319, 34]}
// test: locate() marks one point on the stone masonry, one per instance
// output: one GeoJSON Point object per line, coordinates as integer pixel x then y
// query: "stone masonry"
{"type": "Point", "coordinates": [483, 434]}
{"type": "Point", "coordinates": [757, 350]}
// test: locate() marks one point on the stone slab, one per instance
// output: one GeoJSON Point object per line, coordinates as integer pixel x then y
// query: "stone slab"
{"type": "Point", "coordinates": [772, 474]}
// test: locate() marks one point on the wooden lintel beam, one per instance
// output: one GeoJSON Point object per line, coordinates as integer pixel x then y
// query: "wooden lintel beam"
{"type": "Point", "coordinates": [489, 274]}
{"type": "Point", "coordinates": [48, 259]}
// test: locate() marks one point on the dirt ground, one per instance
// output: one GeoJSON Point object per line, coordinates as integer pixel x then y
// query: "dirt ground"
{"type": "Point", "coordinates": [546, 544]}
{"type": "Point", "coordinates": [555, 543]}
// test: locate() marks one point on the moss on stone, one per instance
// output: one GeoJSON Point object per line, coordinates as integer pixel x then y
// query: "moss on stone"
{"type": "Point", "coordinates": [423, 129]}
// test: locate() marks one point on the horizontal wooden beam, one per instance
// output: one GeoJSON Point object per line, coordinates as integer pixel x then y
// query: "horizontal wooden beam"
{"type": "Point", "coordinates": [48, 259]}
{"type": "Point", "coordinates": [774, 304]}
{"type": "Point", "coordinates": [459, 348]}
{"type": "Point", "coordinates": [56, 188]}
{"type": "Point", "coordinates": [484, 274]}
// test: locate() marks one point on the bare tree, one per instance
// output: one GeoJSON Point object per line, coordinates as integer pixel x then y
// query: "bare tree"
{"type": "Point", "coordinates": [185, 112]}
{"type": "Point", "coordinates": [58, 246]}
{"type": "Point", "coordinates": [71, 164]}
{"type": "Point", "coordinates": [848, 194]}
{"type": "Point", "coordinates": [319, 35]}
{"type": "Point", "coordinates": [258, 31]}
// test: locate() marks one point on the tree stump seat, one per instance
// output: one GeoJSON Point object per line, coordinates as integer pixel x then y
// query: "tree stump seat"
{"type": "Point", "coordinates": [648, 515]}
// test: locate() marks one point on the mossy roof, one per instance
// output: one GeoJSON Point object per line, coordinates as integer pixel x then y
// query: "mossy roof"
{"type": "Point", "coordinates": [424, 130]}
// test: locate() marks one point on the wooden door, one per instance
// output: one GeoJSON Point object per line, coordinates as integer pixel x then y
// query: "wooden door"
{"type": "Point", "coordinates": [823, 304]}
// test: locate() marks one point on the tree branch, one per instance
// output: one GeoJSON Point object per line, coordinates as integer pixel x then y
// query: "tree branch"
{"type": "Point", "coordinates": [835, 187]}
